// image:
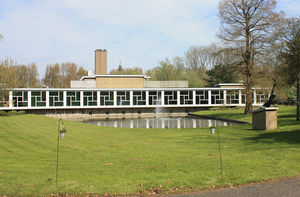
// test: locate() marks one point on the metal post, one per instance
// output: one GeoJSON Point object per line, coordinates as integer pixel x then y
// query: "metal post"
{"type": "Point", "coordinates": [220, 153]}
{"type": "Point", "coordinates": [57, 150]}
{"type": "Point", "coordinates": [60, 122]}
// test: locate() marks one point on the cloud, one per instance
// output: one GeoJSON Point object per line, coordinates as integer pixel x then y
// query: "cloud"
{"type": "Point", "coordinates": [135, 32]}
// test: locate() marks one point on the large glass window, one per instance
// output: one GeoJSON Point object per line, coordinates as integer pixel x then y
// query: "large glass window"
{"type": "Point", "coordinates": [38, 98]}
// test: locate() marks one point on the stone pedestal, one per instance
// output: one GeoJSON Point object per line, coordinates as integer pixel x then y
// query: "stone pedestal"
{"type": "Point", "coordinates": [264, 118]}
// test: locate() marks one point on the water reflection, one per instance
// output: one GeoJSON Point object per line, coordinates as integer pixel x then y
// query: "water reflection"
{"type": "Point", "coordinates": [166, 122]}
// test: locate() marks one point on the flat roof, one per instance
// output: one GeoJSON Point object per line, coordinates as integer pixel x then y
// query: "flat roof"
{"type": "Point", "coordinates": [115, 76]}
{"type": "Point", "coordinates": [229, 84]}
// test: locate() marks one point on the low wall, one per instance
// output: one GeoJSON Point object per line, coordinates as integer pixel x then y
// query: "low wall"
{"type": "Point", "coordinates": [96, 114]}
{"type": "Point", "coordinates": [166, 84]}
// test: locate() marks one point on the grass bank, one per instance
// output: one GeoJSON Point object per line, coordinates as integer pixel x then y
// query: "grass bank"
{"type": "Point", "coordinates": [129, 161]}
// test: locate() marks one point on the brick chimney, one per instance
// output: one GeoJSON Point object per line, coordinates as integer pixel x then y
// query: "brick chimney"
{"type": "Point", "coordinates": [101, 62]}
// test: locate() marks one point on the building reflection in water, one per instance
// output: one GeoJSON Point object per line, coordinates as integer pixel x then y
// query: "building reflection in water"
{"type": "Point", "coordinates": [167, 122]}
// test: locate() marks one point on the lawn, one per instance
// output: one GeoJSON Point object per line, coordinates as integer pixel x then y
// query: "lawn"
{"type": "Point", "coordinates": [102, 160]}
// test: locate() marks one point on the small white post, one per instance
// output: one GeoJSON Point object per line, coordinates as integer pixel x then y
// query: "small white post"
{"type": "Point", "coordinates": [162, 98]}
{"type": "Point", "coordinates": [131, 98]}
{"type": "Point", "coordinates": [98, 98]}
{"type": "Point", "coordinates": [115, 98]}
{"type": "Point", "coordinates": [209, 97]}
{"type": "Point", "coordinates": [240, 97]}
{"type": "Point", "coordinates": [254, 97]}
{"type": "Point", "coordinates": [194, 98]}
{"type": "Point", "coordinates": [81, 98]}
{"type": "Point", "coordinates": [65, 98]}
{"type": "Point", "coordinates": [147, 97]}
{"type": "Point", "coordinates": [29, 98]}
{"type": "Point", "coordinates": [47, 98]}
{"type": "Point", "coordinates": [224, 96]}
{"type": "Point", "coordinates": [178, 97]}
{"type": "Point", "coordinates": [10, 99]}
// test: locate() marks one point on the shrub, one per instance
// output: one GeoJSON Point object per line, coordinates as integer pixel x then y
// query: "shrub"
{"type": "Point", "coordinates": [3, 113]}
{"type": "Point", "coordinates": [21, 112]}
{"type": "Point", "coordinates": [12, 113]}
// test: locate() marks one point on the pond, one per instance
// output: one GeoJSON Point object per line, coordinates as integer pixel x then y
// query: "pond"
{"type": "Point", "coordinates": [160, 122]}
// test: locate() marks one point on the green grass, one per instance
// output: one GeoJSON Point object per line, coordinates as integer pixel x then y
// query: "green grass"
{"type": "Point", "coordinates": [101, 160]}
{"type": "Point", "coordinates": [229, 113]}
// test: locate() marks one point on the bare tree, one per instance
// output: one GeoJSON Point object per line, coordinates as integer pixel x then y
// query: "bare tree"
{"type": "Point", "coordinates": [52, 76]}
{"type": "Point", "coordinates": [246, 28]}
{"type": "Point", "coordinates": [68, 72]}
{"type": "Point", "coordinates": [60, 75]}
{"type": "Point", "coordinates": [33, 74]}
{"type": "Point", "coordinates": [81, 72]}
{"type": "Point", "coordinates": [8, 78]}
{"type": "Point", "coordinates": [290, 57]}
{"type": "Point", "coordinates": [126, 71]}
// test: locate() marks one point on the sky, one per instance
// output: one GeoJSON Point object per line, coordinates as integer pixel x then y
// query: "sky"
{"type": "Point", "coordinates": [137, 33]}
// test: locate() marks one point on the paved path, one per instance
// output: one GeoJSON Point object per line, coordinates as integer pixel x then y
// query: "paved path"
{"type": "Point", "coordinates": [282, 188]}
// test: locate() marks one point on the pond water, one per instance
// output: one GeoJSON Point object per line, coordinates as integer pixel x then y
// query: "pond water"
{"type": "Point", "coordinates": [160, 122]}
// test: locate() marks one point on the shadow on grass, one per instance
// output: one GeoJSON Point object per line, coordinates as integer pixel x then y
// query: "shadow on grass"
{"type": "Point", "coordinates": [290, 116]}
{"type": "Point", "coordinates": [288, 122]}
{"type": "Point", "coordinates": [290, 137]}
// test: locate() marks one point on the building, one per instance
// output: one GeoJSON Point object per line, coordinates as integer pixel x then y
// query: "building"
{"type": "Point", "coordinates": [102, 80]}
{"type": "Point", "coordinates": [117, 96]}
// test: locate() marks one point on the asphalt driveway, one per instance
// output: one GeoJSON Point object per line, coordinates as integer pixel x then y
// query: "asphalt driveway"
{"type": "Point", "coordinates": [280, 188]}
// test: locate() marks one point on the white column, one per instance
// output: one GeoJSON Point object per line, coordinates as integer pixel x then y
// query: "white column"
{"type": "Point", "coordinates": [98, 98]}
{"type": "Point", "coordinates": [47, 98]}
{"type": "Point", "coordinates": [224, 95]}
{"type": "Point", "coordinates": [194, 123]}
{"type": "Point", "coordinates": [194, 97]}
{"type": "Point", "coordinates": [29, 98]}
{"type": "Point", "coordinates": [240, 97]}
{"type": "Point", "coordinates": [115, 98]}
{"type": "Point", "coordinates": [147, 98]}
{"type": "Point", "coordinates": [209, 123]}
{"type": "Point", "coordinates": [254, 97]}
{"type": "Point", "coordinates": [162, 123]}
{"type": "Point", "coordinates": [131, 98]}
{"type": "Point", "coordinates": [131, 124]}
{"type": "Point", "coordinates": [81, 98]}
{"type": "Point", "coordinates": [162, 98]}
{"type": "Point", "coordinates": [178, 97]}
{"type": "Point", "coordinates": [178, 123]}
{"type": "Point", "coordinates": [65, 98]}
{"type": "Point", "coordinates": [209, 97]}
{"type": "Point", "coordinates": [10, 99]}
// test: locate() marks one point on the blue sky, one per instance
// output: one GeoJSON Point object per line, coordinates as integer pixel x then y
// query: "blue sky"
{"type": "Point", "coordinates": [136, 32]}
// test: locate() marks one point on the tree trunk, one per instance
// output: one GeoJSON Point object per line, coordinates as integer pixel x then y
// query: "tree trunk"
{"type": "Point", "coordinates": [248, 91]}
{"type": "Point", "coordinates": [297, 98]}
{"type": "Point", "coordinates": [248, 63]}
